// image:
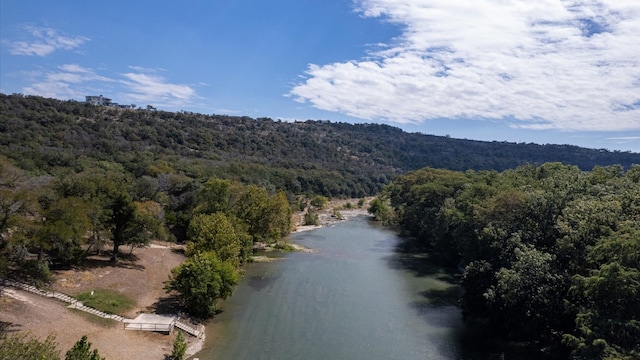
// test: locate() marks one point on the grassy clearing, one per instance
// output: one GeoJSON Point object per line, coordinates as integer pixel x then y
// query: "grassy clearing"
{"type": "Point", "coordinates": [105, 300]}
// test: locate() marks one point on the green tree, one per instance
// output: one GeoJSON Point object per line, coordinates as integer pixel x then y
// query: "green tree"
{"type": "Point", "coordinates": [608, 319]}
{"type": "Point", "coordinates": [380, 210]}
{"type": "Point", "coordinates": [251, 208]}
{"type": "Point", "coordinates": [123, 220]}
{"type": "Point", "coordinates": [65, 228]}
{"type": "Point", "coordinates": [528, 292]}
{"type": "Point", "coordinates": [81, 350]}
{"type": "Point", "coordinates": [132, 223]}
{"type": "Point", "coordinates": [607, 324]}
{"type": "Point", "coordinates": [268, 217]}
{"type": "Point", "coordinates": [179, 347]}
{"type": "Point", "coordinates": [277, 216]}
{"type": "Point", "coordinates": [216, 196]}
{"type": "Point", "coordinates": [25, 347]}
{"type": "Point", "coordinates": [214, 233]}
{"type": "Point", "coordinates": [582, 223]}
{"type": "Point", "coordinates": [200, 280]}
{"type": "Point", "coordinates": [319, 201]}
{"type": "Point", "coordinates": [17, 203]}
{"type": "Point", "coordinates": [14, 205]}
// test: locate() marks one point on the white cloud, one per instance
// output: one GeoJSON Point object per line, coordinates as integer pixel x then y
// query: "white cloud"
{"type": "Point", "coordinates": [68, 81]}
{"type": "Point", "coordinates": [545, 64]}
{"type": "Point", "coordinates": [44, 41]}
{"type": "Point", "coordinates": [156, 90]}
{"type": "Point", "coordinates": [73, 81]}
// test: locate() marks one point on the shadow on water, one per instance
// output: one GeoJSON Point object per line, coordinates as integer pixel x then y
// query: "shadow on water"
{"type": "Point", "coordinates": [441, 297]}
{"type": "Point", "coordinates": [409, 255]}
{"type": "Point", "coordinates": [261, 282]}
{"type": "Point", "coordinates": [449, 296]}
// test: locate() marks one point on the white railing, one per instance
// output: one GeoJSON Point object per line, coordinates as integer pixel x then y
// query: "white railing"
{"type": "Point", "coordinates": [196, 331]}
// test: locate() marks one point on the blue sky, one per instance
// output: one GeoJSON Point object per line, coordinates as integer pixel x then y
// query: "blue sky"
{"type": "Point", "coordinates": [546, 71]}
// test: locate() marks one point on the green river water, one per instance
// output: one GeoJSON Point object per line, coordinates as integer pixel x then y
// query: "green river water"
{"type": "Point", "coordinates": [359, 295]}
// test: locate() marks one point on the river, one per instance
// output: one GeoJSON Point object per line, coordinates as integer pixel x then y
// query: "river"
{"type": "Point", "coordinates": [359, 295]}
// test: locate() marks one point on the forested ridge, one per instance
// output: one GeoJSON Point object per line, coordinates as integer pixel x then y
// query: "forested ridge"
{"type": "Point", "coordinates": [549, 255]}
{"type": "Point", "coordinates": [319, 157]}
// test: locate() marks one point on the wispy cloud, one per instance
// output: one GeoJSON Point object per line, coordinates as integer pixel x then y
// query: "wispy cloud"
{"type": "Point", "coordinates": [67, 81]}
{"type": "Point", "coordinates": [44, 41]}
{"type": "Point", "coordinates": [545, 64]}
{"type": "Point", "coordinates": [143, 69]}
{"type": "Point", "coordinates": [155, 89]}
{"type": "Point", "coordinates": [626, 138]}
{"type": "Point", "coordinates": [73, 81]}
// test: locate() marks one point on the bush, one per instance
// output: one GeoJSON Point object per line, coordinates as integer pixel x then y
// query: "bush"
{"type": "Point", "coordinates": [37, 271]}
{"type": "Point", "coordinates": [179, 347]}
{"type": "Point", "coordinates": [311, 219]}
{"type": "Point", "coordinates": [319, 201]}
{"type": "Point", "coordinates": [82, 351]}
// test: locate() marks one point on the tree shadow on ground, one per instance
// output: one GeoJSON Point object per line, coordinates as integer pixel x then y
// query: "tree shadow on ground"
{"type": "Point", "coordinates": [126, 261]}
{"type": "Point", "coordinates": [178, 250]}
{"type": "Point", "coordinates": [168, 305]}
{"type": "Point", "coordinates": [9, 327]}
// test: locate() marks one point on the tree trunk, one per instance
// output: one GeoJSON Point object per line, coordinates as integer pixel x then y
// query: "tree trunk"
{"type": "Point", "coordinates": [114, 254]}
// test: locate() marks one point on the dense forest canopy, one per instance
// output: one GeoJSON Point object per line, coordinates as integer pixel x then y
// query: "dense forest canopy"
{"type": "Point", "coordinates": [549, 254]}
{"type": "Point", "coordinates": [312, 157]}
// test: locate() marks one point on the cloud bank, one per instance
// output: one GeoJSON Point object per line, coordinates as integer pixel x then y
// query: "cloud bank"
{"type": "Point", "coordinates": [546, 64]}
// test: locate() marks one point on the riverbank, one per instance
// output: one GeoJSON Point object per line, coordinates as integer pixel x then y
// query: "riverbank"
{"type": "Point", "coordinates": [140, 276]}
{"type": "Point", "coordinates": [327, 216]}
{"type": "Point", "coordinates": [347, 209]}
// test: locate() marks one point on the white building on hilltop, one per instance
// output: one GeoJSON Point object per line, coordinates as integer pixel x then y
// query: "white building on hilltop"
{"type": "Point", "coordinates": [99, 100]}
{"type": "Point", "coordinates": [103, 101]}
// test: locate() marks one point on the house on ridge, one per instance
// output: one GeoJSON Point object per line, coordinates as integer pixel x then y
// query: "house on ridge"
{"type": "Point", "coordinates": [99, 100]}
{"type": "Point", "coordinates": [104, 101]}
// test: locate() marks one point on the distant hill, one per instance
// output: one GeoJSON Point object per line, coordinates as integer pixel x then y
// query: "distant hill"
{"type": "Point", "coordinates": [334, 159]}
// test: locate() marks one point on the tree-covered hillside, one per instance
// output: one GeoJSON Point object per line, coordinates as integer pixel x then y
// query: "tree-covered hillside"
{"type": "Point", "coordinates": [321, 157]}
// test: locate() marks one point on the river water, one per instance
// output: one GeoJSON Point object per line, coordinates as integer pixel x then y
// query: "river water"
{"type": "Point", "coordinates": [359, 295]}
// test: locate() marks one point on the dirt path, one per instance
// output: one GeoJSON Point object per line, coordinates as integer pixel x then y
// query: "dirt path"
{"type": "Point", "coordinates": [141, 278]}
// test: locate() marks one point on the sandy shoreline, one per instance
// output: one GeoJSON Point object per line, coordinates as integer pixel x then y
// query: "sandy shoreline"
{"type": "Point", "coordinates": [325, 218]}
